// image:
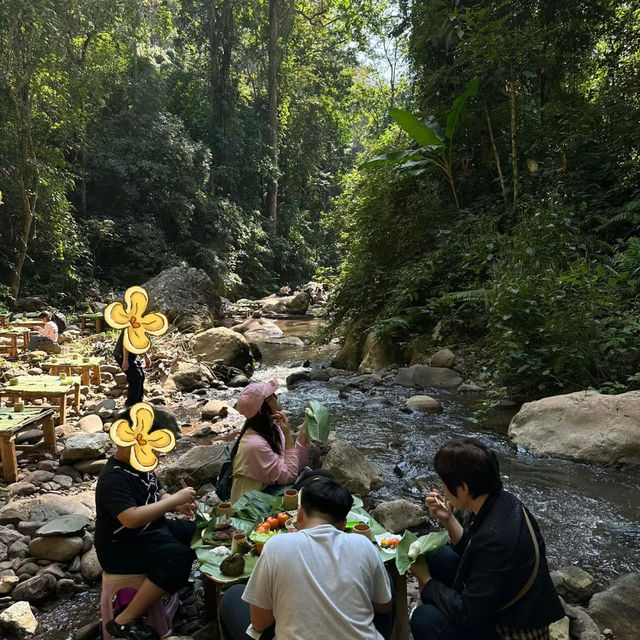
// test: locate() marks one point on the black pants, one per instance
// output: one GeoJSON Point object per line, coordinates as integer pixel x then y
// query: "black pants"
{"type": "Point", "coordinates": [428, 622]}
{"type": "Point", "coordinates": [164, 555]}
{"type": "Point", "coordinates": [235, 616]}
{"type": "Point", "coordinates": [135, 384]}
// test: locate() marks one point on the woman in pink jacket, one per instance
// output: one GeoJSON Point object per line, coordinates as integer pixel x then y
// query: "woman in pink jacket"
{"type": "Point", "coordinates": [265, 452]}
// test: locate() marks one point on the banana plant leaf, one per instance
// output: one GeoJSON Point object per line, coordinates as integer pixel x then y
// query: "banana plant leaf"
{"type": "Point", "coordinates": [256, 506]}
{"type": "Point", "coordinates": [316, 417]}
{"type": "Point", "coordinates": [210, 565]}
{"type": "Point", "coordinates": [410, 548]}
{"type": "Point", "coordinates": [243, 525]}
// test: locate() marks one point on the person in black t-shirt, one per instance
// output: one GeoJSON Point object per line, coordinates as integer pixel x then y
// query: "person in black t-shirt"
{"type": "Point", "coordinates": [133, 536]}
{"type": "Point", "coordinates": [131, 364]}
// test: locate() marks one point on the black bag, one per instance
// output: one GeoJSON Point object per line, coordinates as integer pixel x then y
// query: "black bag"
{"type": "Point", "coordinates": [61, 321]}
{"type": "Point", "coordinates": [225, 477]}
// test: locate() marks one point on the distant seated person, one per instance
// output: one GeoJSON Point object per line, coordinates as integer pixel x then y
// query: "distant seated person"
{"type": "Point", "coordinates": [47, 334]}
{"type": "Point", "coordinates": [493, 582]}
{"type": "Point", "coordinates": [265, 453]}
{"type": "Point", "coordinates": [132, 536]}
{"type": "Point", "coordinates": [314, 584]}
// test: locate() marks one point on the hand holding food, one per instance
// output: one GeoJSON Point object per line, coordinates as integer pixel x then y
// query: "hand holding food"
{"type": "Point", "coordinates": [437, 507]}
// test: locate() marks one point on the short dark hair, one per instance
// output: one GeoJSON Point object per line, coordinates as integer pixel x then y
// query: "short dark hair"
{"type": "Point", "coordinates": [45, 314]}
{"type": "Point", "coordinates": [468, 460]}
{"type": "Point", "coordinates": [327, 498]}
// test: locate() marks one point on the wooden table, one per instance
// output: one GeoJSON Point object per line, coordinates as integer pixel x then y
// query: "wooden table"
{"type": "Point", "coordinates": [215, 584]}
{"type": "Point", "coordinates": [89, 367]}
{"type": "Point", "coordinates": [11, 423]}
{"type": "Point", "coordinates": [13, 333]}
{"type": "Point", "coordinates": [4, 319]}
{"type": "Point", "coordinates": [27, 324]}
{"type": "Point", "coordinates": [44, 386]}
{"type": "Point", "coordinates": [97, 320]}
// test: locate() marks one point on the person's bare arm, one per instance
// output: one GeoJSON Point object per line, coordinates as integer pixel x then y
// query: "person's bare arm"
{"type": "Point", "coordinates": [261, 619]}
{"type": "Point", "coordinates": [125, 359]}
{"type": "Point", "coordinates": [139, 516]}
{"type": "Point", "coordinates": [382, 608]}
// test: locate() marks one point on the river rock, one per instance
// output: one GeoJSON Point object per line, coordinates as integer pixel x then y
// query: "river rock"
{"type": "Point", "coordinates": [582, 626]}
{"type": "Point", "coordinates": [397, 515]}
{"type": "Point", "coordinates": [443, 358]}
{"type": "Point", "coordinates": [379, 352]}
{"type": "Point", "coordinates": [352, 469]}
{"type": "Point", "coordinates": [56, 548]}
{"type": "Point", "coordinates": [121, 380]}
{"type": "Point", "coordinates": [47, 507]}
{"type": "Point", "coordinates": [21, 489]}
{"type": "Point", "coordinates": [188, 376]}
{"type": "Point", "coordinates": [91, 423]}
{"type": "Point", "coordinates": [8, 536]}
{"type": "Point", "coordinates": [319, 375]}
{"type": "Point", "coordinates": [64, 526]}
{"type": "Point", "coordinates": [574, 584]}
{"type": "Point", "coordinates": [286, 305]}
{"type": "Point", "coordinates": [586, 426]}
{"type": "Point", "coordinates": [424, 404]}
{"type": "Point", "coordinates": [187, 297]}
{"type": "Point", "coordinates": [31, 436]}
{"type": "Point", "coordinates": [104, 409]}
{"type": "Point", "coordinates": [215, 409]}
{"type": "Point", "coordinates": [90, 566]}
{"type": "Point", "coordinates": [350, 355]}
{"type": "Point", "coordinates": [86, 446]}
{"type": "Point", "coordinates": [92, 467]}
{"type": "Point", "coordinates": [196, 467]}
{"type": "Point", "coordinates": [424, 377]}
{"type": "Point", "coordinates": [19, 620]}
{"type": "Point", "coordinates": [559, 630]}
{"type": "Point", "coordinates": [293, 379]}
{"type": "Point", "coordinates": [7, 583]}
{"type": "Point", "coordinates": [239, 380]}
{"type": "Point", "coordinates": [223, 344]}
{"type": "Point", "coordinates": [35, 589]}
{"type": "Point", "coordinates": [618, 607]}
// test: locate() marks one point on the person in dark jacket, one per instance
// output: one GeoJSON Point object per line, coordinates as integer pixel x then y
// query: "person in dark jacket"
{"type": "Point", "coordinates": [131, 364]}
{"type": "Point", "coordinates": [491, 583]}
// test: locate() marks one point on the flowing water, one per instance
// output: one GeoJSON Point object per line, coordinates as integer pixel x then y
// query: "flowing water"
{"type": "Point", "coordinates": [590, 516]}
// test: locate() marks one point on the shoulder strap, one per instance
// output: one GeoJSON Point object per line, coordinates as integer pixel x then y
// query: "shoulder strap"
{"type": "Point", "coordinates": [536, 566]}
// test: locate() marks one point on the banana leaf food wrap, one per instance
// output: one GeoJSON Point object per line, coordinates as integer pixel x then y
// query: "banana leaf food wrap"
{"type": "Point", "coordinates": [316, 417]}
{"type": "Point", "coordinates": [410, 548]}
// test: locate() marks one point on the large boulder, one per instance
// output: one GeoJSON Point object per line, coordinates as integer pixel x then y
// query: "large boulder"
{"type": "Point", "coordinates": [397, 515]}
{"type": "Point", "coordinates": [56, 548]}
{"type": "Point", "coordinates": [582, 625]}
{"type": "Point", "coordinates": [18, 619]}
{"type": "Point", "coordinates": [188, 376]}
{"type": "Point", "coordinates": [574, 584]}
{"type": "Point", "coordinates": [259, 330]}
{"type": "Point", "coordinates": [286, 305]}
{"type": "Point", "coordinates": [64, 525]}
{"type": "Point", "coordinates": [91, 423]}
{"type": "Point", "coordinates": [187, 297]}
{"type": "Point", "coordinates": [90, 566]}
{"type": "Point", "coordinates": [352, 469]}
{"type": "Point", "coordinates": [223, 344]}
{"type": "Point", "coordinates": [216, 409]}
{"type": "Point", "coordinates": [443, 358]}
{"type": "Point", "coordinates": [380, 353]}
{"type": "Point", "coordinates": [196, 467]}
{"type": "Point", "coordinates": [586, 426]}
{"type": "Point", "coordinates": [350, 355]}
{"type": "Point", "coordinates": [618, 607]}
{"type": "Point", "coordinates": [424, 377]}
{"type": "Point", "coordinates": [48, 507]}
{"type": "Point", "coordinates": [86, 446]}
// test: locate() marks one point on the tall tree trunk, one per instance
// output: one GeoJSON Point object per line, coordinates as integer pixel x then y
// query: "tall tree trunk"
{"type": "Point", "coordinates": [514, 141]}
{"type": "Point", "coordinates": [24, 153]}
{"type": "Point", "coordinates": [272, 89]}
{"type": "Point", "coordinates": [495, 153]}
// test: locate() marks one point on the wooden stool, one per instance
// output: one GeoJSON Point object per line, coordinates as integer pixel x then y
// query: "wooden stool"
{"type": "Point", "coordinates": [159, 616]}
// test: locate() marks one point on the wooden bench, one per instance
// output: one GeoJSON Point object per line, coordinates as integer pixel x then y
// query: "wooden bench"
{"type": "Point", "coordinates": [11, 424]}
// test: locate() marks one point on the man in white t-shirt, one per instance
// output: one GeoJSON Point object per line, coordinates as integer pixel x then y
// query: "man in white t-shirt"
{"type": "Point", "coordinates": [316, 583]}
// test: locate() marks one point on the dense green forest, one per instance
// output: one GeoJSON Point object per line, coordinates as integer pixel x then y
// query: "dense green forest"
{"type": "Point", "coordinates": [234, 135]}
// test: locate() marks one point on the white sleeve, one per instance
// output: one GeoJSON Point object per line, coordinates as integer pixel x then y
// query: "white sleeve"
{"type": "Point", "coordinates": [259, 589]}
{"type": "Point", "coordinates": [381, 584]}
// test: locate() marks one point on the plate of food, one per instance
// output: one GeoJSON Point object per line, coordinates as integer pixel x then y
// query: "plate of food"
{"type": "Point", "coordinates": [388, 542]}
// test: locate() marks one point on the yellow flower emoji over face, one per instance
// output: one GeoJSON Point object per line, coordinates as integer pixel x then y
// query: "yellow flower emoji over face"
{"type": "Point", "coordinates": [136, 435]}
{"type": "Point", "coordinates": [133, 320]}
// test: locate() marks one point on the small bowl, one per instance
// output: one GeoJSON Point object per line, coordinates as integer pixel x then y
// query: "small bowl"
{"type": "Point", "coordinates": [291, 525]}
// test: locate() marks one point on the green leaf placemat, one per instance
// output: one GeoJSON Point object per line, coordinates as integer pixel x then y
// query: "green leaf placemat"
{"type": "Point", "coordinates": [407, 554]}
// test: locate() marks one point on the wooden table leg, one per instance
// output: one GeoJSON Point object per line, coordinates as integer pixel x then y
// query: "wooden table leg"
{"type": "Point", "coordinates": [49, 433]}
{"type": "Point", "coordinates": [9, 460]}
{"type": "Point", "coordinates": [98, 325]}
{"type": "Point", "coordinates": [53, 370]}
{"type": "Point", "coordinates": [25, 338]}
{"type": "Point", "coordinates": [83, 321]}
{"type": "Point", "coordinates": [86, 375]}
{"type": "Point", "coordinates": [76, 397]}
{"type": "Point", "coordinates": [63, 409]}
{"type": "Point", "coordinates": [14, 347]}
{"type": "Point", "coordinates": [401, 605]}
{"type": "Point", "coordinates": [97, 374]}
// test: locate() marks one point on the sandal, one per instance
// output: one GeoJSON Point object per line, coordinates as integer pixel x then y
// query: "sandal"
{"type": "Point", "coordinates": [134, 630]}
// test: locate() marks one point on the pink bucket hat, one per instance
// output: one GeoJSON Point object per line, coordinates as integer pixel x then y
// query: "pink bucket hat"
{"type": "Point", "coordinates": [251, 399]}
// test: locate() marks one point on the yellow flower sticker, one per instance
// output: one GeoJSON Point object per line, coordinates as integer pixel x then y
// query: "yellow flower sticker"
{"type": "Point", "coordinates": [137, 436]}
{"type": "Point", "coordinates": [132, 319]}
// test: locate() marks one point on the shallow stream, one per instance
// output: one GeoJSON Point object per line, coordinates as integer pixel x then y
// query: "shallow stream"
{"type": "Point", "coordinates": [589, 516]}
